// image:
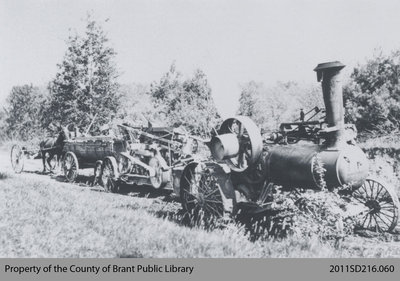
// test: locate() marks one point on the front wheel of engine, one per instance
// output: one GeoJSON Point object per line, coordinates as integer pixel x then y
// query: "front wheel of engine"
{"type": "Point", "coordinates": [382, 206]}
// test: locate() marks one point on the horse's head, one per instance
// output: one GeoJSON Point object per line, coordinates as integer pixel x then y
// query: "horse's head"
{"type": "Point", "coordinates": [62, 136]}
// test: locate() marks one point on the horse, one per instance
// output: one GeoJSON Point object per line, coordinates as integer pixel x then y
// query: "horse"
{"type": "Point", "coordinates": [53, 146]}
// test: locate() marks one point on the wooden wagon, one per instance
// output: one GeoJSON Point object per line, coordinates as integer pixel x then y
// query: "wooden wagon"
{"type": "Point", "coordinates": [140, 156]}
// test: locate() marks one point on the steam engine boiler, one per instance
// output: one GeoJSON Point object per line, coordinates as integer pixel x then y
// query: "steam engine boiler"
{"type": "Point", "coordinates": [337, 161]}
{"type": "Point", "coordinates": [308, 154]}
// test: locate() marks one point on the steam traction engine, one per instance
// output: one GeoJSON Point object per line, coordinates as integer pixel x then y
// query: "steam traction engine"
{"type": "Point", "coordinates": [304, 154]}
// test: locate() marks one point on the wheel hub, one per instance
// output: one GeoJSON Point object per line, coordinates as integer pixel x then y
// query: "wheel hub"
{"type": "Point", "coordinates": [374, 206]}
{"type": "Point", "coordinates": [68, 165]}
{"type": "Point", "coordinates": [200, 199]}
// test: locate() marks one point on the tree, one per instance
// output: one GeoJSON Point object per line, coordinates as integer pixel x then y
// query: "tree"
{"type": "Point", "coordinates": [25, 106]}
{"type": "Point", "coordinates": [372, 96]}
{"type": "Point", "coordinates": [3, 126]}
{"type": "Point", "coordinates": [86, 85]}
{"type": "Point", "coordinates": [268, 107]}
{"type": "Point", "coordinates": [165, 94]}
{"type": "Point", "coordinates": [136, 104]}
{"type": "Point", "coordinates": [185, 102]}
{"type": "Point", "coordinates": [248, 98]}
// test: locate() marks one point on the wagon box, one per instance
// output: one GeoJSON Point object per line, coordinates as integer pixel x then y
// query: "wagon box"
{"type": "Point", "coordinates": [91, 149]}
{"type": "Point", "coordinates": [136, 156]}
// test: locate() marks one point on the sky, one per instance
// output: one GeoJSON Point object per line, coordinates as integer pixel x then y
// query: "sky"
{"type": "Point", "coordinates": [233, 42]}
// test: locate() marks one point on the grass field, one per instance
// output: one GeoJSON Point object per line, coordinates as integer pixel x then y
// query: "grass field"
{"type": "Point", "coordinates": [45, 217]}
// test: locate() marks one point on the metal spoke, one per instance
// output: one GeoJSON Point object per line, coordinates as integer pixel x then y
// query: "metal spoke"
{"type": "Point", "coordinates": [203, 183]}
{"type": "Point", "coordinates": [365, 219]}
{"type": "Point", "coordinates": [359, 200]}
{"type": "Point", "coordinates": [377, 225]}
{"type": "Point", "coordinates": [377, 216]}
{"type": "Point", "coordinates": [215, 211]}
{"type": "Point", "coordinates": [213, 201]}
{"type": "Point", "coordinates": [386, 215]}
{"type": "Point", "coordinates": [386, 218]}
{"type": "Point", "coordinates": [187, 180]}
{"type": "Point", "coordinates": [370, 220]}
{"type": "Point", "coordinates": [379, 191]}
{"type": "Point", "coordinates": [387, 206]}
{"type": "Point", "coordinates": [211, 193]}
{"type": "Point", "coordinates": [372, 189]}
{"type": "Point", "coordinates": [364, 187]}
{"type": "Point", "coordinates": [384, 197]}
{"type": "Point", "coordinates": [188, 193]}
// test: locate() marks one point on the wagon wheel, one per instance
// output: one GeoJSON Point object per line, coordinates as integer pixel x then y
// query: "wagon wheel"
{"type": "Point", "coordinates": [70, 166]}
{"type": "Point", "coordinates": [249, 138]}
{"type": "Point", "coordinates": [98, 173]}
{"type": "Point", "coordinates": [200, 192]}
{"type": "Point", "coordinates": [158, 180]}
{"type": "Point", "coordinates": [256, 173]}
{"type": "Point", "coordinates": [109, 175]}
{"type": "Point", "coordinates": [383, 206]}
{"type": "Point", "coordinates": [17, 158]}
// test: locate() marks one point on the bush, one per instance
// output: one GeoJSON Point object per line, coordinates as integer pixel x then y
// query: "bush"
{"type": "Point", "coordinates": [25, 106]}
{"type": "Point", "coordinates": [185, 102]}
{"type": "Point", "coordinates": [372, 96]}
{"type": "Point", "coordinates": [269, 107]}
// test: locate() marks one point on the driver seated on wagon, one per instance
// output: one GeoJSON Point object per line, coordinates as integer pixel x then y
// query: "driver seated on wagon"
{"type": "Point", "coordinates": [73, 131]}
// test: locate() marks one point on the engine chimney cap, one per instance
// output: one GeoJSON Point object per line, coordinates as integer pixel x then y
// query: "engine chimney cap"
{"type": "Point", "coordinates": [327, 65]}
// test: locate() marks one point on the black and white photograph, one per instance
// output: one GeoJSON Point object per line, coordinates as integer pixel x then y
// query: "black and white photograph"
{"type": "Point", "coordinates": [199, 129]}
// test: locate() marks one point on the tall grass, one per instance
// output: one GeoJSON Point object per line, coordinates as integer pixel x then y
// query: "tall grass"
{"type": "Point", "coordinates": [42, 217]}
{"type": "Point", "coordinates": [45, 218]}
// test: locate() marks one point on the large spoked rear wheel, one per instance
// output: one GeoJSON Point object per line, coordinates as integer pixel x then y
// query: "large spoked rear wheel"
{"type": "Point", "coordinates": [17, 158]}
{"type": "Point", "coordinates": [70, 166]}
{"type": "Point", "coordinates": [200, 192]}
{"type": "Point", "coordinates": [382, 206]}
{"type": "Point", "coordinates": [109, 175]}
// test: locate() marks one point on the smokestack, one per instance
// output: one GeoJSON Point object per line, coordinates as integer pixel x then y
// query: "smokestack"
{"type": "Point", "coordinates": [332, 91]}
